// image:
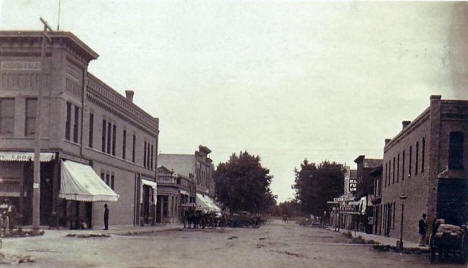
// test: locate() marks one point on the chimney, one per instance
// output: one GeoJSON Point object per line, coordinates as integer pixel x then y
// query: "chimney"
{"type": "Point", "coordinates": [405, 124]}
{"type": "Point", "coordinates": [129, 95]}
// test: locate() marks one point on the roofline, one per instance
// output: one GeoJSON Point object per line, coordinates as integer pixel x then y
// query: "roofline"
{"type": "Point", "coordinates": [55, 34]}
{"type": "Point", "coordinates": [123, 97]}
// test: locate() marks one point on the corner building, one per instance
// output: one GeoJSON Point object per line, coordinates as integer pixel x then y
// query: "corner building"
{"type": "Point", "coordinates": [426, 163]}
{"type": "Point", "coordinates": [83, 120]}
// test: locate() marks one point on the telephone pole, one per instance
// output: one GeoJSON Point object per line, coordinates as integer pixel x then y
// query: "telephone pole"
{"type": "Point", "coordinates": [37, 136]}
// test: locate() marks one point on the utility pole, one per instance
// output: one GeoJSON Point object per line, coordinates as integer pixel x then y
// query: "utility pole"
{"type": "Point", "coordinates": [37, 136]}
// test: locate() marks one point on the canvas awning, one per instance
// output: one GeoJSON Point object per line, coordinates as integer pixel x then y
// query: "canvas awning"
{"type": "Point", "coordinates": [204, 202]}
{"type": "Point", "coordinates": [80, 182]}
{"type": "Point", "coordinates": [184, 192]}
{"type": "Point", "coordinates": [25, 156]}
{"type": "Point", "coordinates": [153, 186]}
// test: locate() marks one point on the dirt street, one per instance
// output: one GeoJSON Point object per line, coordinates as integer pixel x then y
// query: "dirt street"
{"type": "Point", "coordinates": [275, 244]}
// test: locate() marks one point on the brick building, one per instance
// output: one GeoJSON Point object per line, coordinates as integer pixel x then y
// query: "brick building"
{"type": "Point", "coordinates": [84, 121]}
{"type": "Point", "coordinates": [198, 167]}
{"type": "Point", "coordinates": [426, 163]}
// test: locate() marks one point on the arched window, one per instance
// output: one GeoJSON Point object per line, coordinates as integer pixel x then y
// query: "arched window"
{"type": "Point", "coordinates": [456, 150]}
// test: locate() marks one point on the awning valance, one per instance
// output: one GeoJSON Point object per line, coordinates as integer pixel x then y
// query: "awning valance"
{"type": "Point", "coordinates": [24, 156]}
{"type": "Point", "coordinates": [79, 182]}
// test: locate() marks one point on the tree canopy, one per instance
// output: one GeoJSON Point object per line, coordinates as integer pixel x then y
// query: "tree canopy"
{"type": "Point", "coordinates": [317, 184]}
{"type": "Point", "coordinates": [242, 184]}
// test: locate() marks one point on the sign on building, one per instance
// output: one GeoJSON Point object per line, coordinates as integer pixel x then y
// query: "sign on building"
{"type": "Point", "coordinates": [352, 185]}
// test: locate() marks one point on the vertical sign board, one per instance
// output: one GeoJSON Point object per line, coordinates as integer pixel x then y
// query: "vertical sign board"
{"type": "Point", "coordinates": [352, 185]}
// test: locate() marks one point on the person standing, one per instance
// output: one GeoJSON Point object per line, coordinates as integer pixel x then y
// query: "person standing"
{"type": "Point", "coordinates": [422, 230]}
{"type": "Point", "coordinates": [186, 219]}
{"type": "Point", "coordinates": [106, 217]}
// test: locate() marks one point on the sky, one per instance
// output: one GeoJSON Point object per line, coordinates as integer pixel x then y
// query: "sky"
{"type": "Point", "coordinates": [285, 80]}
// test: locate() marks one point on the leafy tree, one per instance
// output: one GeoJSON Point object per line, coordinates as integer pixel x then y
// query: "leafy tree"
{"type": "Point", "coordinates": [243, 184]}
{"type": "Point", "coordinates": [317, 184]}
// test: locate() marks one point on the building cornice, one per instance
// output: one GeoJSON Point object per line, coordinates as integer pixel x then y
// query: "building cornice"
{"type": "Point", "coordinates": [36, 36]}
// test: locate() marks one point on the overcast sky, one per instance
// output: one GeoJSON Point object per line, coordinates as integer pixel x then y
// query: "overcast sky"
{"type": "Point", "coordinates": [286, 80]}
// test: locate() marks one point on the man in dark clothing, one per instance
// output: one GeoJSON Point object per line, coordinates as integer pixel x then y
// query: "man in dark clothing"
{"type": "Point", "coordinates": [106, 217]}
{"type": "Point", "coordinates": [186, 219]}
{"type": "Point", "coordinates": [422, 230]}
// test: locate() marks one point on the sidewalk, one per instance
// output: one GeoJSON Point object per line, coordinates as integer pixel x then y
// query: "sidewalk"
{"type": "Point", "coordinates": [382, 240]}
{"type": "Point", "coordinates": [113, 230]}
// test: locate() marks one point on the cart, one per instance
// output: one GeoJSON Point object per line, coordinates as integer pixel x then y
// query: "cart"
{"type": "Point", "coordinates": [449, 242]}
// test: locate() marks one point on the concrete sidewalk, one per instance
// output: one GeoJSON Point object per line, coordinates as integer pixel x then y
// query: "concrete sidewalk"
{"type": "Point", "coordinates": [382, 240]}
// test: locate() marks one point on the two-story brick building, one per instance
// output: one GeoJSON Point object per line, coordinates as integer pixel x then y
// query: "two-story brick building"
{"type": "Point", "coordinates": [425, 166]}
{"type": "Point", "coordinates": [84, 122]}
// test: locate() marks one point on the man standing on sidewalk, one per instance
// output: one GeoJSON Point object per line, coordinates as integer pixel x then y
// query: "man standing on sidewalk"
{"type": "Point", "coordinates": [106, 217]}
{"type": "Point", "coordinates": [422, 230]}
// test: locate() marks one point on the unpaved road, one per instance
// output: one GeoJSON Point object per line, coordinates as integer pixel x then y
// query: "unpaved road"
{"type": "Point", "coordinates": [274, 245]}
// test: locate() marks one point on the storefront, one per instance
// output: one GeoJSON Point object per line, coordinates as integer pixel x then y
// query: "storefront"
{"type": "Point", "coordinates": [148, 200]}
{"type": "Point", "coordinates": [16, 184]}
{"type": "Point", "coordinates": [80, 186]}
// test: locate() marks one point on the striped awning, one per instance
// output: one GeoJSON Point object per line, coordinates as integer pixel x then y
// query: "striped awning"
{"type": "Point", "coordinates": [24, 156]}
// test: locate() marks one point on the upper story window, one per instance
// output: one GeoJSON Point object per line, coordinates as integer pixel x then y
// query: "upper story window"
{"type": "Point", "coordinates": [410, 164]}
{"type": "Point", "coordinates": [403, 165]}
{"type": "Point", "coordinates": [133, 148]}
{"type": "Point", "coordinates": [114, 137]}
{"type": "Point", "coordinates": [68, 121]}
{"type": "Point", "coordinates": [91, 130]}
{"type": "Point", "coordinates": [109, 135]}
{"type": "Point", "coordinates": [124, 144]}
{"type": "Point", "coordinates": [423, 153]}
{"type": "Point", "coordinates": [7, 116]}
{"type": "Point", "coordinates": [456, 141]}
{"type": "Point", "coordinates": [75, 124]}
{"type": "Point", "coordinates": [417, 159]}
{"type": "Point", "coordinates": [30, 124]}
{"type": "Point", "coordinates": [103, 138]}
{"type": "Point", "coordinates": [144, 156]}
{"type": "Point", "coordinates": [152, 157]}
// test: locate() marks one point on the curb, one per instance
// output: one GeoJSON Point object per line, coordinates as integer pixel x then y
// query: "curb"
{"type": "Point", "coordinates": [129, 232]}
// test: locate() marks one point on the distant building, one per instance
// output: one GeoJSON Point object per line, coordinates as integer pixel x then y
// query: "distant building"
{"type": "Point", "coordinates": [365, 190]}
{"type": "Point", "coordinates": [175, 192]}
{"type": "Point", "coordinates": [344, 208]}
{"type": "Point", "coordinates": [101, 134]}
{"type": "Point", "coordinates": [376, 199]}
{"type": "Point", "coordinates": [427, 163]}
{"type": "Point", "coordinates": [197, 167]}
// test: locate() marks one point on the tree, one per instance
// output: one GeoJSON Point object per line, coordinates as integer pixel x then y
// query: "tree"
{"type": "Point", "coordinates": [243, 184]}
{"type": "Point", "coordinates": [289, 208]}
{"type": "Point", "coordinates": [317, 184]}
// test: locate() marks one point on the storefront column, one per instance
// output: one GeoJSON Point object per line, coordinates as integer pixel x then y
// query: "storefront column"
{"type": "Point", "coordinates": [55, 178]}
{"type": "Point", "coordinates": [169, 207]}
{"type": "Point", "coordinates": [162, 209]}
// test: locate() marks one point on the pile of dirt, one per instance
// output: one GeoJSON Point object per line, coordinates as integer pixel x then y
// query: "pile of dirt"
{"type": "Point", "coordinates": [22, 233]}
{"type": "Point", "coordinates": [88, 235]}
{"type": "Point", "coordinates": [15, 259]}
{"type": "Point", "coordinates": [417, 251]}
